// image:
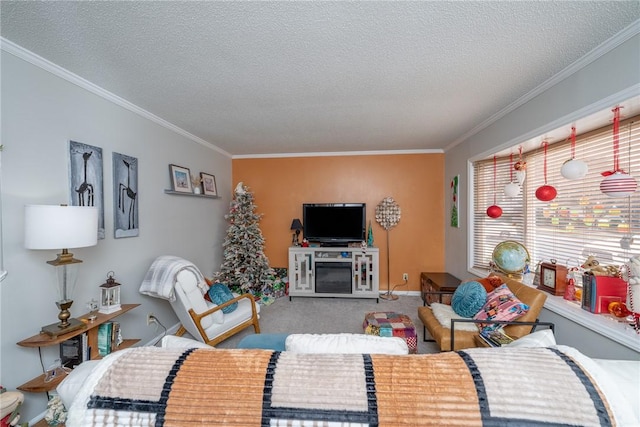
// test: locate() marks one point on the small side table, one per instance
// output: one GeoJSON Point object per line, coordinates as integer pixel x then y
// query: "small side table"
{"type": "Point", "coordinates": [391, 324]}
{"type": "Point", "coordinates": [436, 285]}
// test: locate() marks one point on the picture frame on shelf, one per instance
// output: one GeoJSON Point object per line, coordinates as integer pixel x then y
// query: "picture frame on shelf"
{"type": "Point", "coordinates": [208, 184]}
{"type": "Point", "coordinates": [180, 179]}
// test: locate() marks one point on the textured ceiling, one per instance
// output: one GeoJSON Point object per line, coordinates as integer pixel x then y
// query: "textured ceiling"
{"type": "Point", "coordinates": [296, 77]}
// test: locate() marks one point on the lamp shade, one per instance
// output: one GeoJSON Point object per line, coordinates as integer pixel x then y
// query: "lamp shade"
{"type": "Point", "coordinates": [296, 224]}
{"type": "Point", "coordinates": [60, 227]}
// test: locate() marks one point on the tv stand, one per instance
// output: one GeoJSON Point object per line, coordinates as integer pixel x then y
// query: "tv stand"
{"type": "Point", "coordinates": [333, 245]}
{"type": "Point", "coordinates": [344, 272]}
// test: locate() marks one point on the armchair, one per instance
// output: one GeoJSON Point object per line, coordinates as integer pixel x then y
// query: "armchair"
{"type": "Point", "coordinates": [448, 338]}
{"type": "Point", "coordinates": [204, 320]}
{"type": "Point", "coordinates": [183, 285]}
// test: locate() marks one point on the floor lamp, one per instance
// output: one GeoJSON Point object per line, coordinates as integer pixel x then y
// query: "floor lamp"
{"type": "Point", "coordinates": [388, 215]}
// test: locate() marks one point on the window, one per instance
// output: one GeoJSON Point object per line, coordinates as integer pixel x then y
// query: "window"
{"type": "Point", "coordinates": [580, 221]}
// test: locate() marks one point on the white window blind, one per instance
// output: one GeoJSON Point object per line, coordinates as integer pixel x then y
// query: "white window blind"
{"type": "Point", "coordinates": [488, 232]}
{"type": "Point", "coordinates": [580, 221]}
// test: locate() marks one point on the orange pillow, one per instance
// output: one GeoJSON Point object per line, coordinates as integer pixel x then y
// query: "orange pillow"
{"type": "Point", "coordinates": [490, 282]}
{"type": "Point", "coordinates": [206, 295]}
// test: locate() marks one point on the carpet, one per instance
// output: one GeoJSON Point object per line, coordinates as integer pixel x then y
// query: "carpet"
{"type": "Point", "coordinates": [311, 315]}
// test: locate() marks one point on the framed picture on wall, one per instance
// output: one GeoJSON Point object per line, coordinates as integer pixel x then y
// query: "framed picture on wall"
{"type": "Point", "coordinates": [455, 189]}
{"type": "Point", "coordinates": [180, 179]}
{"type": "Point", "coordinates": [86, 179]}
{"type": "Point", "coordinates": [208, 184]}
{"type": "Point", "coordinates": [125, 196]}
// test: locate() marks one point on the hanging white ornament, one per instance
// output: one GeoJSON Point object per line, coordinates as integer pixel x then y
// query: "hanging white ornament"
{"type": "Point", "coordinates": [618, 184]}
{"type": "Point", "coordinates": [512, 189]}
{"type": "Point", "coordinates": [574, 169]}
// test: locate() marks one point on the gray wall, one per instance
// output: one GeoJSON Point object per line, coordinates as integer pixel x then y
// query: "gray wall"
{"type": "Point", "coordinates": [40, 114]}
{"type": "Point", "coordinates": [600, 84]}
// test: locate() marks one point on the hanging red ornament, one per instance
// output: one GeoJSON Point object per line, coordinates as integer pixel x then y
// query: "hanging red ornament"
{"type": "Point", "coordinates": [617, 183]}
{"type": "Point", "coordinates": [494, 211]}
{"type": "Point", "coordinates": [546, 193]}
{"type": "Point", "coordinates": [574, 168]}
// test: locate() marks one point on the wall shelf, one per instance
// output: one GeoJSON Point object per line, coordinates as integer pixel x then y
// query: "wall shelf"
{"type": "Point", "coordinates": [38, 384]}
{"type": "Point", "coordinates": [179, 193]}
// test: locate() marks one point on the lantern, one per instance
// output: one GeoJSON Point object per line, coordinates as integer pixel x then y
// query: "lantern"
{"type": "Point", "coordinates": [109, 295]}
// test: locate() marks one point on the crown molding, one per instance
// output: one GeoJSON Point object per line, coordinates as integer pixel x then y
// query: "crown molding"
{"type": "Point", "coordinates": [607, 46]}
{"type": "Point", "coordinates": [602, 104]}
{"type": "Point", "coordinates": [336, 153]}
{"type": "Point", "coordinates": [26, 55]}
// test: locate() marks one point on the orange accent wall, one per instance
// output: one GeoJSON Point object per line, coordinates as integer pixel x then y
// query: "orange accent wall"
{"type": "Point", "coordinates": [415, 181]}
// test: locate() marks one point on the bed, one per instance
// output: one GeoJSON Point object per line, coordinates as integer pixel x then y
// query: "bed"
{"type": "Point", "coordinates": [555, 385]}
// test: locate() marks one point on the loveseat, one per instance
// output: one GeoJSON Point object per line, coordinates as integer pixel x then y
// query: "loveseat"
{"type": "Point", "coordinates": [441, 333]}
{"type": "Point", "coordinates": [185, 385]}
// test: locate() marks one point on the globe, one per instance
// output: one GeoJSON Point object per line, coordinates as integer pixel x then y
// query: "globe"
{"type": "Point", "coordinates": [510, 257]}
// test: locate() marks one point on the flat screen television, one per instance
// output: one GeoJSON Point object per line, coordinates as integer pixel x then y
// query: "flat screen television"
{"type": "Point", "coordinates": [334, 223]}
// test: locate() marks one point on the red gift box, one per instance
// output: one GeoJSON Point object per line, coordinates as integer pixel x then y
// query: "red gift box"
{"type": "Point", "coordinates": [603, 291]}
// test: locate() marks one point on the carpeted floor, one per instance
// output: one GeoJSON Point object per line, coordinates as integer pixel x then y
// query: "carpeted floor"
{"type": "Point", "coordinates": [330, 315]}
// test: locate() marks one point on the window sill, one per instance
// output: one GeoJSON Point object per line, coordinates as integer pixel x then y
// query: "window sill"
{"type": "Point", "coordinates": [599, 323]}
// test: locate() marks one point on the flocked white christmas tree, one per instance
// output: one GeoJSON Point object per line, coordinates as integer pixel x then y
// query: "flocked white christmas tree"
{"type": "Point", "coordinates": [245, 267]}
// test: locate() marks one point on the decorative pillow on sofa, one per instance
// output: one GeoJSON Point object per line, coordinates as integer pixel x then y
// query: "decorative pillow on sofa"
{"type": "Point", "coordinates": [490, 282]}
{"type": "Point", "coordinates": [219, 293]}
{"type": "Point", "coordinates": [444, 313]}
{"type": "Point", "coordinates": [468, 299]}
{"type": "Point", "coordinates": [501, 305]}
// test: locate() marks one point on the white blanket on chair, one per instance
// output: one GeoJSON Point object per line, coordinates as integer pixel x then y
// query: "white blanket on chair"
{"type": "Point", "coordinates": [161, 276]}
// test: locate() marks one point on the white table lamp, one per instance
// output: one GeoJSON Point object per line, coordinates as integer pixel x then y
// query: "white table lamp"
{"type": "Point", "coordinates": [61, 227]}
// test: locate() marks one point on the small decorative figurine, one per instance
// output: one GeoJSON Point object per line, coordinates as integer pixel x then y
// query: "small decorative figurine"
{"type": "Point", "coordinates": [109, 295]}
